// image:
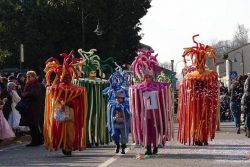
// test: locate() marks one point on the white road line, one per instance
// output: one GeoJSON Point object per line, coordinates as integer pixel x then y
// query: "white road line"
{"type": "Point", "coordinates": [114, 158]}
{"type": "Point", "coordinates": [11, 147]}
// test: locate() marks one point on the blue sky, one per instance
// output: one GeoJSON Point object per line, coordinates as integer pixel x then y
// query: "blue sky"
{"type": "Point", "coordinates": [169, 25]}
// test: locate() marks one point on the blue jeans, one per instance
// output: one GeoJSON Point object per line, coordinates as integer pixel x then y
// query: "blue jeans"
{"type": "Point", "coordinates": [236, 112]}
{"type": "Point", "coordinates": [120, 136]}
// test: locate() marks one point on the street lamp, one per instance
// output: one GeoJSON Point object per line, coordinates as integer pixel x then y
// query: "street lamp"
{"type": "Point", "coordinates": [98, 31]}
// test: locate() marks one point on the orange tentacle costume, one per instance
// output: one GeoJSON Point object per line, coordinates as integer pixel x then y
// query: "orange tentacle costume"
{"type": "Point", "coordinates": [198, 98]}
{"type": "Point", "coordinates": [69, 134]}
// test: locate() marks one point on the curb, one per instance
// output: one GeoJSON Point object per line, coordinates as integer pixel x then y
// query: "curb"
{"type": "Point", "coordinates": [15, 141]}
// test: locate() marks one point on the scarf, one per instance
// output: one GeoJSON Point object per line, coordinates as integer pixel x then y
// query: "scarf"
{"type": "Point", "coordinates": [29, 83]}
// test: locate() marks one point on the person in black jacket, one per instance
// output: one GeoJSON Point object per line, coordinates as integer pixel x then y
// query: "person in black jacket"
{"type": "Point", "coordinates": [225, 114]}
{"type": "Point", "coordinates": [236, 92]}
{"type": "Point", "coordinates": [245, 105]}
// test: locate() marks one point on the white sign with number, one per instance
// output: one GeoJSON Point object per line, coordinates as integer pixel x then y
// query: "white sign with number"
{"type": "Point", "coordinates": [150, 100]}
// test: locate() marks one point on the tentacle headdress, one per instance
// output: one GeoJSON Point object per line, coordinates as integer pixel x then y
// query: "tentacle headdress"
{"type": "Point", "coordinates": [53, 66]}
{"type": "Point", "coordinates": [144, 64]}
{"type": "Point", "coordinates": [199, 52]}
{"type": "Point", "coordinates": [92, 62]}
{"type": "Point", "coordinates": [118, 80]}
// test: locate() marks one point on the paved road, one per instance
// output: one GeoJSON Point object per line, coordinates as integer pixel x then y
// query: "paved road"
{"type": "Point", "coordinates": [228, 149]}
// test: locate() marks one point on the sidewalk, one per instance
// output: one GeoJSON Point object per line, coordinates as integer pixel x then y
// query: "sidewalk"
{"type": "Point", "coordinates": [15, 141]}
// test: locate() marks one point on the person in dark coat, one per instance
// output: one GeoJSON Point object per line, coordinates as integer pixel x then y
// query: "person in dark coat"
{"type": "Point", "coordinates": [224, 107]}
{"type": "Point", "coordinates": [33, 96]}
{"type": "Point", "coordinates": [236, 92]}
{"type": "Point", "coordinates": [43, 93]}
{"type": "Point", "coordinates": [245, 105]}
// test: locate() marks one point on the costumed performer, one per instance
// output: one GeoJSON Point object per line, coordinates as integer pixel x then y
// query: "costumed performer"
{"type": "Point", "coordinates": [150, 105]}
{"type": "Point", "coordinates": [96, 119]}
{"type": "Point", "coordinates": [65, 107]}
{"type": "Point", "coordinates": [118, 114]}
{"type": "Point", "coordinates": [198, 97]}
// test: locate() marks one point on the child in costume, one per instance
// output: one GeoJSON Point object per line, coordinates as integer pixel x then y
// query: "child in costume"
{"type": "Point", "coordinates": [15, 116]}
{"type": "Point", "coordinates": [150, 104]}
{"type": "Point", "coordinates": [120, 121]}
{"type": "Point", "coordinates": [118, 114]}
{"type": "Point", "coordinates": [65, 107]}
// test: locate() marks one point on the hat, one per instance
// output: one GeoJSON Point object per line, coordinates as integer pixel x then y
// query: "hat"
{"type": "Point", "coordinates": [11, 84]}
{"type": "Point", "coordinates": [11, 78]}
{"type": "Point", "coordinates": [120, 93]}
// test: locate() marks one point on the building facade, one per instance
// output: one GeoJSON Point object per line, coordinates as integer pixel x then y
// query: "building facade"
{"type": "Point", "coordinates": [235, 63]}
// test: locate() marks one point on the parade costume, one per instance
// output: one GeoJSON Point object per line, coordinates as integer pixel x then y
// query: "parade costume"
{"type": "Point", "coordinates": [150, 105]}
{"type": "Point", "coordinates": [118, 114]}
{"type": "Point", "coordinates": [65, 107]}
{"type": "Point", "coordinates": [96, 118]}
{"type": "Point", "coordinates": [198, 98]}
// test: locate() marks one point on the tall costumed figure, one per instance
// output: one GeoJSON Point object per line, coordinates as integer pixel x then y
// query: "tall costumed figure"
{"type": "Point", "coordinates": [198, 97]}
{"type": "Point", "coordinates": [150, 104]}
{"type": "Point", "coordinates": [65, 107]}
{"type": "Point", "coordinates": [96, 119]}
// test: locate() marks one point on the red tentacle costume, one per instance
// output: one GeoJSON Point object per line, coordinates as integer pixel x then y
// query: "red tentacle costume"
{"type": "Point", "coordinates": [69, 134]}
{"type": "Point", "coordinates": [198, 98]}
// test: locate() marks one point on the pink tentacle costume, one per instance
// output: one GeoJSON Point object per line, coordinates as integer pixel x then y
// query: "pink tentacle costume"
{"type": "Point", "coordinates": [150, 103]}
{"type": "Point", "coordinates": [198, 98]}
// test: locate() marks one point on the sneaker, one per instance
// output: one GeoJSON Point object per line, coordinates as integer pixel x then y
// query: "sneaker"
{"type": "Point", "coordinates": [238, 131]}
{"type": "Point", "coordinates": [155, 150]}
{"type": "Point", "coordinates": [148, 152]}
{"type": "Point", "coordinates": [198, 143]}
{"type": "Point", "coordinates": [68, 153]}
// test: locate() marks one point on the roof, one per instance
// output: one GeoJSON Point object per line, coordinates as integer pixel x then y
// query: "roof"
{"type": "Point", "coordinates": [238, 48]}
{"type": "Point", "coordinates": [144, 46]}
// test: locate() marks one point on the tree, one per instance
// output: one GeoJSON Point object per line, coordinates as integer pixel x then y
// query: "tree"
{"type": "Point", "coordinates": [50, 27]}
{"type": "Point", "coordinates": [240, 36]}
{"type": "Point", "coordinates": [222, 47]}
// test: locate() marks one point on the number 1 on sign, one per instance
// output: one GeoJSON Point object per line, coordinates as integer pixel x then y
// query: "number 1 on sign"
{"type": "Point", "coordinates": [150, 100]}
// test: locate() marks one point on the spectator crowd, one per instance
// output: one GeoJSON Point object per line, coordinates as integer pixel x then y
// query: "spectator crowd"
{"type": "Point", "coordinates": [235, 103]}
{"type": "Point", "coordinates": [28, 91]}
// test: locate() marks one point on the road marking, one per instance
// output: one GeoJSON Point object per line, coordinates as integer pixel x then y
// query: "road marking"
{"type": "Point", "coordinates": [11, 147]}
{"type": "Point", "coordinates": [114, 158]}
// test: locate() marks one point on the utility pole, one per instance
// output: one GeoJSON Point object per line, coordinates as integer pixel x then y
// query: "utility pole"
{"type": "Point", "coordinates": [21, 56]}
